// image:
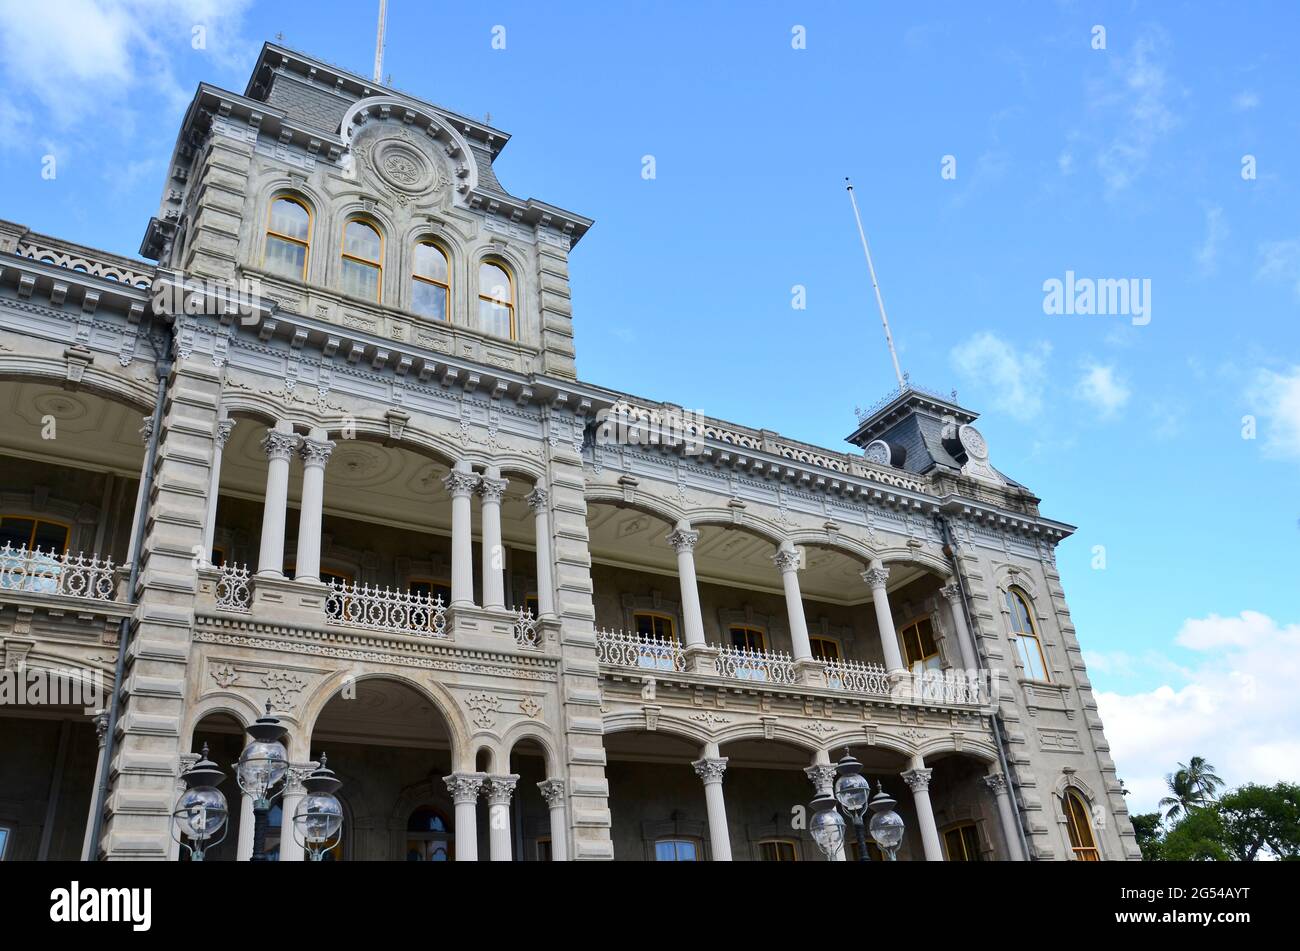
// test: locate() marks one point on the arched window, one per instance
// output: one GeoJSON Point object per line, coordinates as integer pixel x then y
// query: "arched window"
{"type": "Point", "coordinates": [1024, 635]}
{"type": "Point", "coordinates": [288, 238]}
{"type": "Point", "coordinates": [363, 253]}
{"type": "Point", "coordinates": [430, 282]}
{"type": "Point", "coordinates": [427, 838]}
{"type": "Point", "coordinates": [1078, 823]}
{"type": "Point", "coordinates": [496, 307]}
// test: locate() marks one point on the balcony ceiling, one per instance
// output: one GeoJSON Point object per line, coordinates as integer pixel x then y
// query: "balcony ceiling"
{"type": "Point", "coordinates": [89, 432]}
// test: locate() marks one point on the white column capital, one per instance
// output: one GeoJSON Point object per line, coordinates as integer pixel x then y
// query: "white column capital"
{"type": "Point", "coordinates": [464, 787]}
{"type": "Point", "coordinates": [316, 452]}
{"type": "Point", "coordinates": [786, 559]}
{"type": "Point", "coordinates": [877, 576]}
{"type": "Point", "coordinates": [710, 769]}
{"type": "Point", "coordinates": [997, 782]}
{"type": "Point", "coordinates": [279, 445]}
{"type": "Point", "coordinates": [537, 498]}
{"type": "Point", "coordinates": [460, 484]}
{"type": "Point", "coordinates": [492, 489]}
{"type": "Point", "coordinates": [552, 792]}
{"type": "Point", "coordinates": [822, 776]}
{"type": "Point", "coordinates": [500, 789]}
{"type": "Point", "coordinates": [683, 540]}
{"type": "Point", "coordinates": [146, 430]}
{"type": "Point", "coordinates": [951, 591]}
{"type": "Point", "coordinates": [224, 428]}
{"type": "Point", "coordinates": [917, 779]}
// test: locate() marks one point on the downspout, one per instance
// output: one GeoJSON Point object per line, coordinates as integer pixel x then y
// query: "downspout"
{"type": "Point", "coordinates": [995, 717]}
{"type": "Point", "coordinates": [162, 368]}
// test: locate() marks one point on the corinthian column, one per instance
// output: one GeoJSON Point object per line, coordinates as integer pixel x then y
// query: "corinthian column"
{"type": "Point", "coordinates": [224, 428]}
{"type": "Point", "coordinates": [460, 483]}
{"type": "Point", "coordinates": [499, 791]}
{"type": "Point", "coordinates": [952, 592]}
{"type": "Point", "coordinates": [787, 560]}
{"type": "Point", "coordinates": [553, 793]}
{"type": "Point", "coordinates": [279, 445]}
{"type": "Point", "coordinates": [918, 780]}
{"type": "Point", "coordinates": [877, 576]}
{"type": "Point", "coordinates": [684, 540]}
{"type": "Point", "coordinates": [315, 453]}
{"type": "Point", "coordinates": [492, 487]}
{"type": "Point", "coordinates": [822, 776]}
{"type": "Point", "coordinates": [710, 769]}
{"type": "Point", "coordinates": [1010, 827]}
{"type": "Point", "coordinates": [536, 500]}
{"type": "Point", "coordinates": [464, 789]}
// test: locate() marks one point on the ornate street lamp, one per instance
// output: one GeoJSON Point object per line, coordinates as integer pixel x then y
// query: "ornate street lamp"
{"type": "Point", "coordinates": [200, 811]}
{"type": "Point", "coordinates": [318, 820]}
{"type": "Point", "coordinates": [852, 797]}
{"type": "Point", "coordinates": [261, 767]}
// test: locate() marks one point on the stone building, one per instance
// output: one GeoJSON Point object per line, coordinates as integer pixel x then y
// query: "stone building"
{"type": "Point", "coordinates": [335, 431]}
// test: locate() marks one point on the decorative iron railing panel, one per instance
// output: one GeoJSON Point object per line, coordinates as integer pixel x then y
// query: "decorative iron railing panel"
{"type": "Point", "coordinates": [383, 609]}
{"type": "Point", "coordinates": [620, 649]}
{"type": "Point", "coordinates": [57, 573]}
{"type": "Point", "coordinates": [233, 593]}
{"type": "Point", "coordinates": [742, 663]}
{"type": "Point", "coordinates": [855, 676]}
{"type": "Point", "coordinates": [527, 632]}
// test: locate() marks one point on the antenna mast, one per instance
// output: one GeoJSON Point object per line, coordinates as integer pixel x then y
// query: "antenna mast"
{"type": "Point", "coordinates": [379, 42]}
{"type": "Point", "coordinates": [875, 286]}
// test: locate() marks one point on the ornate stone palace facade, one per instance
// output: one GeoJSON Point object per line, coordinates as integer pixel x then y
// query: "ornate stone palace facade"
{"type": "Point", "coordinates": [336, 435]}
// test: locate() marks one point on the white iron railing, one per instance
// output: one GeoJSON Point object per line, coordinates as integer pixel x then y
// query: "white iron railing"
{"type": "Point", "coordinates": [741, 663]}
{"type": "Point", "coordinates": [52, 572]}
{"type": "Point", "coordinates": [376, 609]}
{"type": "Point", "coordinates": [950, 686]}
{"type": "Point", "coordinates": [620, 649]}
{"type": "Point", "coordinates": [527, 633]}
{"type": "Point", "coordinates": [855, 676]}
{"type": "Point", "coordinates": [233, 593]}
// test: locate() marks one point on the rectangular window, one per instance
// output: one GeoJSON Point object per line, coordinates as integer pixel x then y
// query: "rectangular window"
{"type": "Point", "coordinates": [962, 843]}
{"type": "Point", "coordinates": [777, 850]}
{"type": "Point", "coordinates": [494, 318]}
{"type": "Point", "coordinates": [746, 637]}
{"type": "Point", "coordinates": [33, 533]}
{"type": "Point", "coordinates": [649, 624]}
{"type": "Point", "coordinates": [543, 852]}
{"type": "Point", "coordinates": [360, 280]}
{"type": "Point", "coordinates": [823, 648]}
{"type": "Point", "coordinates": [430, 588]}
{"type": "Point", "coordinates": [676, 850]}
{"type": "Point", "coordinates": [919, 649]}
{"type": "Point", "coordinates": [286, 258]}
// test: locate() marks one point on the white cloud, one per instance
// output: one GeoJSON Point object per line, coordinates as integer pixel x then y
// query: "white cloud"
{"type": "Point", "coordinates": [1274, 399]}
{"type": "Point", "coordinates": [1280, 261]}
{"type": "Point", "coordinates": [1207, 255]}
{"type": "Point", "coordinates": [77, 60]}
{"type": "Point", "coordinates": [1245, 101]}
{"type": "Point", "coordinates": [1015, 378]}
{"type": "Point", "coordinates": [1102, 389]}
{"type": "Point", "coordinates": [1237, 706]}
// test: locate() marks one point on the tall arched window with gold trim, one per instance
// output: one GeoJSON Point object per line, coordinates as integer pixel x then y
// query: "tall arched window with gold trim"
{"type": "Point", "coordinates": [1024, 636]}
{"type": "Point", "coordinates": [1078, 824]}
{"type": "Point", "coordinates": [363, 255]}
{"type": "Point", "coordinates": [288, 238]}
{"type": "Point", "coordinates": [430, 282]}
{"type": "Point", "coordinates": [496, 300]}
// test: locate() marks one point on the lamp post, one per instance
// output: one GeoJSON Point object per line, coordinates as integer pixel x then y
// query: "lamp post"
{"type": "Point", "coordinates": [261, 767]}
{"type": "Point", "coordinates": [201, 810]}
{"type": "Point", "coordinates": [319, 816]}
{"type": "Point", "coordinates": [852, 797]}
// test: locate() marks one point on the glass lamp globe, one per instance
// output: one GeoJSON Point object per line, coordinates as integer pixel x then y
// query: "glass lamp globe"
{"type": "Point", "coordinates": [852, 791]}
{"type": "Point", "coordinates": [200, 812]}
{"type": "Point", "coordinates": [261, 766]}
{"type": "Point", "coordinates": [887, 831]}
{"type": "Point", "coordinates": [319, 818]}
{"type": "Point", "coordinates": [827, 830]}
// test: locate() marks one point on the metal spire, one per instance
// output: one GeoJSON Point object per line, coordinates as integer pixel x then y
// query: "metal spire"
{"type": "Point", "coordinates": [875, 286]}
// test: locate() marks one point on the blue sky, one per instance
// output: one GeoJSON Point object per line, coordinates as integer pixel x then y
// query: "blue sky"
{"type": "Point", "coordinates": [1122, 162]}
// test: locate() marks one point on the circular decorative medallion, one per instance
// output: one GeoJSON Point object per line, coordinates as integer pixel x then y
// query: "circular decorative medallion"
{"type": "Point", "coordinates": [403, 167]}
{"type": "Point", "coordinates": [972, 442]}
{"type": "Point", "coordinates": [877, 451]}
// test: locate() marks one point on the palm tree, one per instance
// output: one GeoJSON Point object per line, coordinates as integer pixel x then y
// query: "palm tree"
{"type": "Point", "coordinates": [1192, 786]}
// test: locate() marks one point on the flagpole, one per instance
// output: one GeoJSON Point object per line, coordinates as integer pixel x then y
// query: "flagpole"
{"type": "Point", "coordinates": [379, 43]}
{"type": "Point", "coordinates": [875, 286]}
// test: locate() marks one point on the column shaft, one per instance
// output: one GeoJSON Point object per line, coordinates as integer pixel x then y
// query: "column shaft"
{"type": "Point", "coordinates": [224, 429]}
{"type": "Point", "coordinates": [279, 444]}
{"type": "Point", "coordinates": [492, 487]}
{"type": "Point", "coordinates": [683, 539]}
{"type": "Point", "coordinates": [244, 844]}
{"type": "Point", "coordinates": [711, 769]}
{"type": "Point", "coordinates": [877, 576]}
{"type": "Point", "coordinates": [918, 780]}
{"type": "Point", "coordinates": [499, 791]}
{"type": "Point", "coordinates": [553, 793]}
{"type": "Point", "coordinates": [787, 560]}
{"type": "Point", "coordinates": [964, 642]}
{"type": "Point", "coordinates": [542, 540]}
{"type": "Point", "coordinates": [101, 725]}
{"type": "Point", "coordinates": [315, 454]}
{"type": "Point", "coordinates": [997, 782]}
{"type": "Point", "coordinates": [461, 482]}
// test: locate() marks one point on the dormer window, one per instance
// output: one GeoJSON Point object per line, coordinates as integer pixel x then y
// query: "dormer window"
{"type": "Point", "coordinates": [363, 253]}
{"type": "Point", "coordinates": [430, 282]}
{"type": "Point", "coordinates": [288, 238]}
{"type": "Point", "coordinates": [496, 307]}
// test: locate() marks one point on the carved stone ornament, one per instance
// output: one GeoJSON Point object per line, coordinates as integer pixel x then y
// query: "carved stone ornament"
{"type": "Point", "coordinates": [279, 445]}
{"type": "Point", "coordinates": [492, 490]}
{"type": "Point", "coordinates": [786, 559]}
{"type": "Point", "coordinates": [500, 789]}
{"type": "Point", "coordinates": [315, 452]}
{"type": "Point", "coordinates": [710, 770]}
{"type": "Point", "coordinates": [552, 792]}
{"type": "Point", "coordinates": [683, 540]}
{"type": "Point", "coordinates": [876, 577]}
{"type": "Point", "coordinates": [536, 499]}
{"type": "Point", "coordinates": [464, 787]}
{"type": "Point", "coordinates": [484, 707]}
{"type": "Point", "coordinates": [918, 780]}
{"type": "Point", "coordinates": [878, 451]}
{"type": "Point", "coordinates": [460, 484]}
{"type": "Point", "coordinates": [973, 442]}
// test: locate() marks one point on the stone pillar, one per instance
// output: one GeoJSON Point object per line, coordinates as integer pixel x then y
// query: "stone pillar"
{"type": "Point", "coordinates": [710, 768]}
{"type": "Point", "coordinates": [291, 850]}
{"type": "Point", "coordinates": [244, 844]}
{"type": "Point", "coordinates": [224, 428]}
{"type": "Point", "coordinates": [787, 560]}
{"type": "Point", "coordinates": [997, 782]}
{"type": "Point", "coordinates": [499, 791]}
{"type": "Point", "coordinates": [279, 444]}
{"type": "Point", "coordinates": [100, 719]}
{"type": "Point", "coordinates": [146, 433]}
{"type": "Point", "coordinates": [952, 592]}
{"type": "Point", "coordinates": [537, 500]}
{"type": "Point", "coordinates": [315, 453]}
{"type": "Point", "coordinates": [492, 487]}
{"type": "Point", "coordinates": [683, 539]}
{"type": "Point", "coordinates": [918, 780]}
{"type": "Point", "coordinates": [822, 776]}
{"type": "Point", "coordinates": [461, 482]}
{"type": "Point", "coordinates": [553, 793]}
{"type": "Point", "coordinates": [876, 576]}
{"type": "Point", "coordinates": [464, 789]}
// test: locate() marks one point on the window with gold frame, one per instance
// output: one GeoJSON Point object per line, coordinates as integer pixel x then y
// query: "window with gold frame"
{"type": "Point", "coordinates": [1078, 823]}
{"type": "Point", "coordinates": [961, 843]}
{"type": "Point", "coordinates": [431, 281]}
{"type": "Point", "coordinates": [655, 624]}
{"type": "Point", "coordinates": [1024, 637]}
{"type": "Point", "coordinates": [288, 237]}
{"type": "Point", "coordinates": [824, 648]}
{"type": "Point", "coordinates": [362, 260]}
{"type": "Point", "coordinates": [23, 531]}
{"type": "Point", "coordinates": [874, 852]}
{"type": "Point", "coordinates": [496, 300]}
{"type": "Point", "coordinates": [743, 636]}
{"type": "Point", "coordinates": [920, 650]}
{"type": "Point", "coordinates": [777, 850]}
